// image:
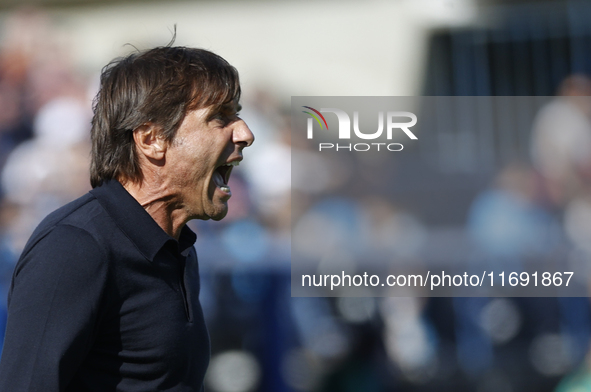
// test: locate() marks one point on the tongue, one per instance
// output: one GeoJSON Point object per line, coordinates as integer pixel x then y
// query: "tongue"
{"type": "Point", "coordinates": [218, 179]}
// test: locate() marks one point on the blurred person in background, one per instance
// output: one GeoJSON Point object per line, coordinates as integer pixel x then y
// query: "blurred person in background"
{"type": "Point", "coordinates": [105, 295]}
{"type": "Point", "coordinates": [561, 140]}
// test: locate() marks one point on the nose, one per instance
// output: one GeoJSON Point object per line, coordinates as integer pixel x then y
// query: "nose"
{"type": "Point", "coordinates": [242, 134]}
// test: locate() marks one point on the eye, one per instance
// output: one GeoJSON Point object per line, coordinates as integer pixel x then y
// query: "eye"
{"type": "Point", "coordinates": [220, 120]}
{"type": "Point", "coordinates": [226, 118]}
{"type": "Point", "coordinates": [227, 114]}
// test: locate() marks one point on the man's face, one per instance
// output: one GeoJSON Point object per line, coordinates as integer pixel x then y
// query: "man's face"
{"type": "Point", "coordinates": [200, 158]}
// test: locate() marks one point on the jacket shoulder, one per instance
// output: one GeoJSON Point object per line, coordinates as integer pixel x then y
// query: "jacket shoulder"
{"type": "Point", "coordinates": [77, 213]}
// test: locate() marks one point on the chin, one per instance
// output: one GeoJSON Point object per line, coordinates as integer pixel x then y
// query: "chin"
{"type": "Point", "coordinates": [219, 213]}
{"type": "Point", "coordinates": [219, 217]}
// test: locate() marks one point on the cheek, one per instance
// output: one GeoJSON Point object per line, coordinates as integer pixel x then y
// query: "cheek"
{"type": "Point", "coordinates": [190, 167]}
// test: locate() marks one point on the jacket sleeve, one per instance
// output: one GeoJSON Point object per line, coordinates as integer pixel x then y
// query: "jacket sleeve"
{"type": "Point", "coordinates": [53, 309]}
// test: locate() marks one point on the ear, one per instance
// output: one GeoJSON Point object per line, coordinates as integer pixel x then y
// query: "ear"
{"type": "Point", "coordinates": [149, 141]}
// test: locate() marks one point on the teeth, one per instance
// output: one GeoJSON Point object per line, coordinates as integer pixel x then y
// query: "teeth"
{"type": "Point", "coordinates": [233, 163]}
{"type": "Point", "coordinates": [225, 188]}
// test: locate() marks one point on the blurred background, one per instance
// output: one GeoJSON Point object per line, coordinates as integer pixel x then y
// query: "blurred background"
{"type": "Point", "coordinates": [537, 170]}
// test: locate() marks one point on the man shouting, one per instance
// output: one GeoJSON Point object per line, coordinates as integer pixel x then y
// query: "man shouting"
{"type": "Point", "coordinates": [105, 296]}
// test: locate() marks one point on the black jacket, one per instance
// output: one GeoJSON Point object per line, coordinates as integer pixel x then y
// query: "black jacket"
{"type": "Point", "coordinates": [102, 299]}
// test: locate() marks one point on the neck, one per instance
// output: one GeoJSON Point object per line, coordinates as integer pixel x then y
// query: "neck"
{"type": "Point", "coordinates": [160, 204]}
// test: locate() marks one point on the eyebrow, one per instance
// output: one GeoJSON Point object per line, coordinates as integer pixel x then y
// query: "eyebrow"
{"type": "Point", "coordinates": [225, 110]}
{"type": "Point", "coordinates": [234, 108]}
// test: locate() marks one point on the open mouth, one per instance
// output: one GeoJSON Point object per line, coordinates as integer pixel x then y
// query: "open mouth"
{"type": "Point", "coordinates": [221, 175]}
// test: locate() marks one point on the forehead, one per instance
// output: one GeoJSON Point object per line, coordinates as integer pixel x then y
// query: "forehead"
{"type": "Point", "coordinates": [200, 117]}
{"type": "Point", "coordinates": [207, 114]}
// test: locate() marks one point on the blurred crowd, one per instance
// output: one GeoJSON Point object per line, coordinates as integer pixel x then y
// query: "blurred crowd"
{"type": "Point", "coordinates": [530, 210]}
{"type": "Point", "coordinates": [265, 340]}
{"type": "Point", "coordinates": [44, 132]}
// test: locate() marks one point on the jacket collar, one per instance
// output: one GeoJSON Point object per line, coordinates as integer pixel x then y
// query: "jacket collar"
{"type": "Point", "coordinates": [136, 223]}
